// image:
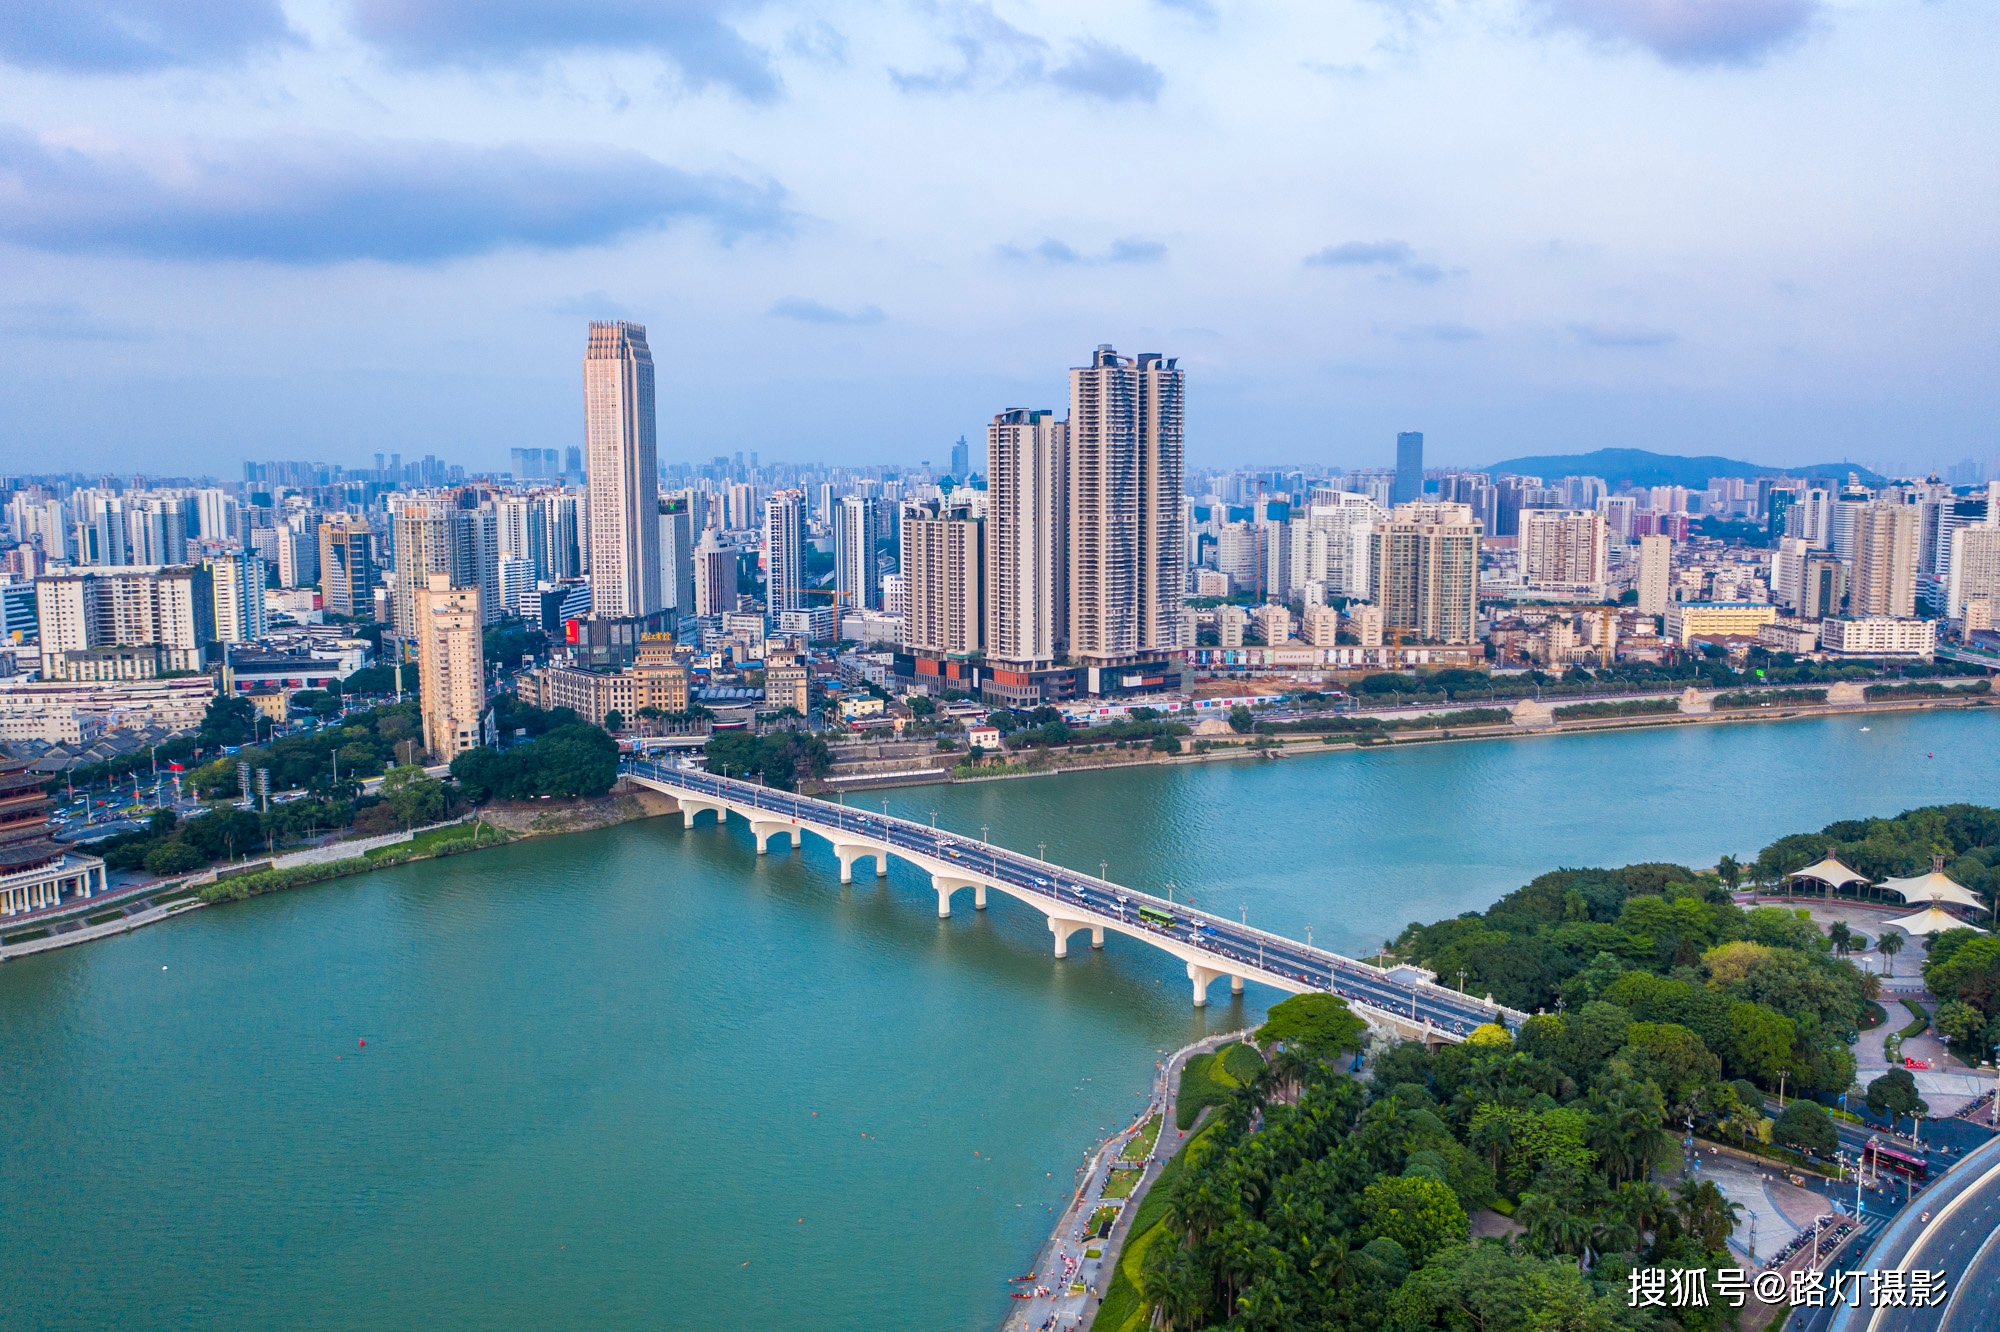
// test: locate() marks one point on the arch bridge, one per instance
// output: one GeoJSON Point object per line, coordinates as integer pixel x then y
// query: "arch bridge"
{"type": "Point", "coordinates": [1212, 947]}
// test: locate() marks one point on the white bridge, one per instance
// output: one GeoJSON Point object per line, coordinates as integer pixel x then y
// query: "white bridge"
{"type": "Point", "coordinates": [1212, 947]}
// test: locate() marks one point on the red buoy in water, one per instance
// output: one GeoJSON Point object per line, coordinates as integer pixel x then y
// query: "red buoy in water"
{"type": "Point", "coordinates": [364, 1042]}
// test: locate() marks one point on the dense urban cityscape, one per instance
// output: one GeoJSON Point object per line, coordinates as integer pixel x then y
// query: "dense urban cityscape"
{"type": "Point", "coordinates": [647, 648]}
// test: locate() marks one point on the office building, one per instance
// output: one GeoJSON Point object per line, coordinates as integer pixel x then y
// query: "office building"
{"type": "Point", "coordinates": [451, 665]}
{"type": "Point", "coordinates": [857, 522]}
{"type": "Point", "coordinates": [677, 556]}
{"type": "Point", "coordinates": [1409, 467]}
{"type": "Point", "coordinates": [944, 559]}
{"type": "Point", "coordinates": [1656, 563]}
{"type": "Point", "coordinates": [1879, 636]}
{"type": "Point", "coordinates": [1027, 556]}
{"type": "Point", "coordinates": [1127, 568]}
{"type": "Point", "coordinates": [134, 623]}
{"type": "Point", "coordinates": [961, 460]}
{"type": "Point", "coordinates": [624, 470]}
{"type": "Point", "coordinates": [785, 551]}
{"type": "Point", "coordinates": [714, 576]}
{"type": "Point", "coordinates": [1885, 560]}
{"type": "Point", "coordinates": [1975, 567]}
{"type": "Point", "coordinates": [1424, 571]}
{"type": "Point", "coordinates": [1565, 549]}
{"type": "Point", "coordinates": [1688, 620]}
{"type": "Point", "coordinates": [739, 509]}
{"type": "Point", "coordinates": [347, 566]}
{"type": "Point", "coordinates": [788, 686]}
{"type": "Point", "coordinates": [1822, 588]}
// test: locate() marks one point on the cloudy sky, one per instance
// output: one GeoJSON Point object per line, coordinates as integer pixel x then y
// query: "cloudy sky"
{"type": "Point", "coordinates": [322, 228]}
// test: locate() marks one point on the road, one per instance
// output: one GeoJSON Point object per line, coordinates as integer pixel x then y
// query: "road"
{"type": "Point", "coordinates": [1953, 1227]}
{"type": "Point", "coordinates": [1229, 946]}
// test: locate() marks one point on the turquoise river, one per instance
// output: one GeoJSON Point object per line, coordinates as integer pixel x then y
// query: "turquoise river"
{"type": "Point", "coordinates": [644, 1078]}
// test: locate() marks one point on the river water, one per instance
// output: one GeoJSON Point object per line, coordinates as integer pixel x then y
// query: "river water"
{"type": "Point", "coordinates": [645, 1078]}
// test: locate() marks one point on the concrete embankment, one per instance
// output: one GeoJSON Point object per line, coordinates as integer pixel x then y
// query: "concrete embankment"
{"type": "Point", "coordinates": [1341, 742]}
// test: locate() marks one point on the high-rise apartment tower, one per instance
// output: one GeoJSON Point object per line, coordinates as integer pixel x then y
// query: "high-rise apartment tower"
{"type": "Point", "coordinates": [1027, 550]}
{"type": "Point", "coordinates": [1127, 563]}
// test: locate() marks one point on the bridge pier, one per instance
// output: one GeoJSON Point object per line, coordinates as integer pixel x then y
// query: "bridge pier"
{"type": "Point", "coordinates": [766, 830]}
{"type": "Point", "coordinates": [1062, 929]}
{"type": "Point", "coordinates": [1201, 976]}
{"type": "Point", "coordinates": [1236, 985]}
{"type": "Point", "coordinates": [847, 853]}
{"type": "Point", "coordinates": [1097, 936]}
{"type": "Point", "coordinates": [947, 884]}
{"type": "Point", "coordinates": [691, 806]}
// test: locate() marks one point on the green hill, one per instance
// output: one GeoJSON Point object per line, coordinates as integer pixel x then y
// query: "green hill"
{"type": "Point", "coordinates": [1640, 468]}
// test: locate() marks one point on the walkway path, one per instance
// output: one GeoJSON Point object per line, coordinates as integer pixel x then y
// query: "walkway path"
{"type": "Point", "coordinates": [1061, 1264]}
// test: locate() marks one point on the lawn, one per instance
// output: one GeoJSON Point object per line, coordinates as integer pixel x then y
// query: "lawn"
{"type": "Point", "coordinates": [1208, 1079]}
{"type": "Point", "coordinates": [1122, 1309]}
{"type": "Point", "coordinates": [1142, 1142]}
{"type": "Point", "coordinates": [1120, 1183]}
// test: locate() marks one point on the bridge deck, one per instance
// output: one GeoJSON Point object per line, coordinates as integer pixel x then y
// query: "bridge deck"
{"type": "Point", "coordinates": [1211, 945]}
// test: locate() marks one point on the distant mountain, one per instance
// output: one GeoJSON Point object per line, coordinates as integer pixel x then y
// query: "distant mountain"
{"type": "Point", "coordinates": [1639, 468]}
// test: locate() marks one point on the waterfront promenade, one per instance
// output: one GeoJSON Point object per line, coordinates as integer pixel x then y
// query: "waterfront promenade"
{"type": "Point", "coordinates": [1066, 1255]}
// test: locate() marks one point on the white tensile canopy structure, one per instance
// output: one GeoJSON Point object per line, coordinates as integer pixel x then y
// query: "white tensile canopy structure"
{"type": "Point", "coordinates": [1932, 921]}
{"type": "Point", "coordinates": [1932, 887]}
{"type": "Point", "coordinates": [1831, 873]}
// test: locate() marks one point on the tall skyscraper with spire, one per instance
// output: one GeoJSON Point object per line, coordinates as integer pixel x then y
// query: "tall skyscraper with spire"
{"type": "Point", "coordinates": [623, 469]}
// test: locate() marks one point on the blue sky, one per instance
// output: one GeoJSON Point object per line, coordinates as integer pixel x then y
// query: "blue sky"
{"type": "Point", "coordinates": [322, 228]}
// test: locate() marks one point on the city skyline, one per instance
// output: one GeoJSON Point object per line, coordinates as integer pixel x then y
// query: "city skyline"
{"type": "Point", "coordinates": [1339, 251]}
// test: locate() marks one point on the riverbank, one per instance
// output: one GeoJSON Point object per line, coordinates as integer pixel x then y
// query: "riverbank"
{"type": "Point", "coordinates": [1235, 748]}
{"type": "Point", "coordinates": [497, 824]}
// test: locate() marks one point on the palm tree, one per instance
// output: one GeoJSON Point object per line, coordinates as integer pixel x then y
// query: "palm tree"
{"type": "Point", "coordinates": [1644, 1206]}
{"type": "Point", "coordinates": [1493, 1135]}
{"type": "Point", "coordinates": [1842, 938]}
{"type": "Point", "coordinates": [1731, 871]}
{"type": "Point", "coordinates": [1540, 1212]}
{"type": "Point", "coordinates": [1890, 944]}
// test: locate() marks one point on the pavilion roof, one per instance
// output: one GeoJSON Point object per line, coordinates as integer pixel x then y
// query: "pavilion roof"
{"type": "Point", "coordinates": [1932, 921]}
{"type": "Point", "coordinates": [1933, 887]}
{"type": "Point", "coordinates": [1830, 872]}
